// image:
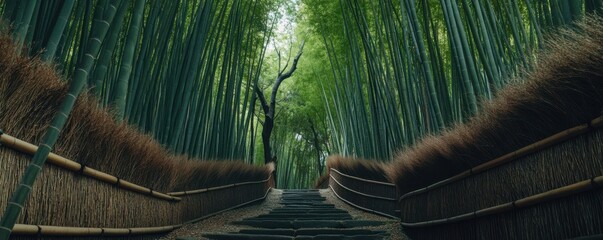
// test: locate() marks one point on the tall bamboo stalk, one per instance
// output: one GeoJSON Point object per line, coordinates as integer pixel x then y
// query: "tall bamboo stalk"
{"type": "Point", "coordinates": [15, 205]}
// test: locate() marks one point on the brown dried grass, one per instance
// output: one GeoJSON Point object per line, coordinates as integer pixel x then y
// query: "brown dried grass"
{"type": "Point", "coordinates": [322, 182]}
{"type": "Point", "coordinates": [367, 169]}
{"type": "Point", "coordinates": [564, 89]}
{"type": "Point", "coordinates": [30, 92]}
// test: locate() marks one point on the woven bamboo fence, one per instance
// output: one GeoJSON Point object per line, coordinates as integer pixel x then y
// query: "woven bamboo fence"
{"type": "Point", "coordinates": [553, 184]}
{"type": "Point", "coordinates": [72, 200]}
{"type": "Point", "coordinates": [369, 195]}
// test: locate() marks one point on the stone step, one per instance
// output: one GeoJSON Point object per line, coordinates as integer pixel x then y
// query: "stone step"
{"type": "Point", "coordinates": [338, 218]}
{"type": "Point", "coordinates": [295, 211]}
{"type": "Point", "coordinates": [313, 204]}
{"type": "Point", "coordinates": [342, 237]}
{"type": "Point", "coordinates": [303, 200]}
{"type": "Point", "coordinates": [301, 218]}
{"type": "Point", "coordinates": [308, 206]}
{"type": "Point", "coordinates": [242, 236]}
{"type": "Point", "coordinates": [297, 224]}
{"type": "Point", "coordinates": [312, 231]}
{"type": "Point", "coordinates": [306, 214]}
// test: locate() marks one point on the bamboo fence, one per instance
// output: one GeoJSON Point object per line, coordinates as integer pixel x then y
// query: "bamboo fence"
{"type": "Point", "coordinates": [41, 230]}
{"type": "Point", "coordinates": [553, 184]}
{"type": "Point", "coordinates": [537, 146]}
{"type": "Point", "coordinates": [28, 148]}
{"type": "Point", "coordinates": [207, 201]}
{"type": "Point", "coordinates": [369, 195]}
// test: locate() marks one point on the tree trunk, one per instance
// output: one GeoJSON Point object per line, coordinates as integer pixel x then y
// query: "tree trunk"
{"type": "Point", "coordinates": [316, 147]}
{"type": "Point", "coordinates": [266, 132]}
{"type": "Point", "coordinates": [269, 108]}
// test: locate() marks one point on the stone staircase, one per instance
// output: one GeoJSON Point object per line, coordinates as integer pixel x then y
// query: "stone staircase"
{"type": "Point", "coordinates": [304, 215]}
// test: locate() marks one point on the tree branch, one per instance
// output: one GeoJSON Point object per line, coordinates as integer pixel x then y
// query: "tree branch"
{"type": "Point", "coordinates": [282, 77]}
{"type": "Point", "coordinates": [260, 95]}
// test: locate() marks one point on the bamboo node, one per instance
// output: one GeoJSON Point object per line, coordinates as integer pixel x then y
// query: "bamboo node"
{"type": "Point", "coordinates": [81, 170]}
{"type": "Point", "coordinates": [594, 183]}
{"type": "Point", "coordinates": [36, 166]}
{"type": "Point", "coordinates": [39, 233]}
{"type": "Point", "coordinates": [117, 182]}
{"type": "Point", "coordinates": [26, 186]}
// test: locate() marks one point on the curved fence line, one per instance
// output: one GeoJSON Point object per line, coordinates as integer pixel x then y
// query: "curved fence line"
{"type": "Point", "coordinates": [42, 230]}
{"type": "Point", "coordinates": [534, 147]}
{"type": "Point", "coordinates": [28, 148]}
{"type": "Point", "coordinates": [364, 202]}
{"type": "Point", "coordinates": [360, 207]}
{"type": "Point", "coordinates": [202, 190]}
{"type": "Point", "coordinates": [362, 179]}
{"type": "Point", "coordinates": [361, 193]}
{"type": "Point", "coordinates": [565, 191]}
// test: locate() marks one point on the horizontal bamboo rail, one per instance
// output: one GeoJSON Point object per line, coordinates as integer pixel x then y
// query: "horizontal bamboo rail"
{"type": "Point", "coordinates": [360, 207]}
{"type": "Point", "coordinates": [362, 179]}
{"type": "Point", "coordinates": [361, 193]}
{"type": "Point", "coordinates": [42, 230]}
{"type": "Point", "coordinates": [197, 191]}
{"type": "Point", "coordinates": [568, 190]}
{"type": "Point", "coordinates": [333, 170]}
{"type": "Point", "coordinates": [28, 148]}
{"type": "Point", "coordinates": [537, 146]}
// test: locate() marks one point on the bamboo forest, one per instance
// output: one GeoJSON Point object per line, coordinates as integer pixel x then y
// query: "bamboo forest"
{"type": "Point", "coordinates": [301, 119]}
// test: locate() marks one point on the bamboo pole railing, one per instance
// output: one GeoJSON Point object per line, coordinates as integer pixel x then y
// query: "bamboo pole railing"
{"type": "Point", "coordinates": [360, 207]}
{"type": "Point", "coordinates": [70, 165]}
{"type": "Point", "coordinates": [202, 190]}
{"type": "Point", "coordinates": [28, 148]}
{"type": "Point", "coordinates": [393, 200]}
{"type": "Point", "coordinates": [42, 230]}
{"type": "Point", "coordinates": [537, 146]}
{"type": "Point", "coordinates": [362, 179]}
{"type": "Point", "coordinates": [360, 193]}
{"type": "Point", "coordinates": [573, 189]}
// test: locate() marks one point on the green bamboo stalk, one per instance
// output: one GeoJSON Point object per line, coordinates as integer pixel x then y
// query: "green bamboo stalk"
{"type": "Point", "coordinates": [125, 69]}
{"type": "Point", "coordinates": [18, 198]}
{"type": "Point", "coordinates": [23, 20]}
{"type": "Point", "coordinates": [426, 62]}
{"type": "Point", "coordinates": [57, 31]}
{"type": "Point", "coordinates": [106, 53]}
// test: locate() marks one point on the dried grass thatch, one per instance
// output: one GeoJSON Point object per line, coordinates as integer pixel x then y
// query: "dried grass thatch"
{"type": "Point", "coordinates": [563, 90]}
{"type": "Point", "coordinates": [30, 92]}
{"type": "Point", "coordinates": [367, 169]}
{"type": "Point", "coordinates": [322, 182]}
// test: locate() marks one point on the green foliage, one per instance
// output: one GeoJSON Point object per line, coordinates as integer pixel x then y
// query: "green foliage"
{"type": "Point", "coordinates": [179, 70]}
{"type": "Point", "coordinates": [102, 17]}
{"type": "Point", "coordinates": [405, 69]}
{"type": "Point", "coordinates": [376, 76]}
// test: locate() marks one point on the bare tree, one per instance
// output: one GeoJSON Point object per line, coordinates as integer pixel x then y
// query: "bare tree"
{"type": "Point", "coordinates": [269, 108]}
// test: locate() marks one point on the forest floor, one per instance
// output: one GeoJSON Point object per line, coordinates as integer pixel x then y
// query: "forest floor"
{"type": "Point", "coordinates": [222, 222]}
